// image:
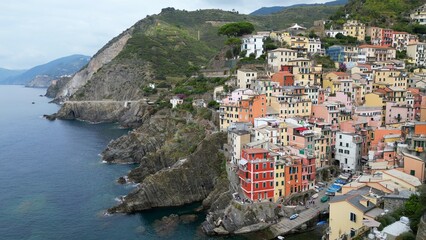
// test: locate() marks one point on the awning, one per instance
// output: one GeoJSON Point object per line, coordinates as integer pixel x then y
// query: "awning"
{"type": "Point", "coordinates": [243, 162]}
{"type": "Point", "coordinates": [371, 223]}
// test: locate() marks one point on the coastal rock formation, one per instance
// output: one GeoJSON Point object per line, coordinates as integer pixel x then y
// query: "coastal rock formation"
{"type": "Point", "coordinates": [240, 218]}
{"type": "Point", "coordinates": [187, 181]}
{"type": "Point", "coordinates": [40, 81]}
{"type": "Point", "coordinates": [149, 138]}
{"type": "Point", "coordinates": [56, 85]}
{"type": "Point", "coordinates": [105, 111]}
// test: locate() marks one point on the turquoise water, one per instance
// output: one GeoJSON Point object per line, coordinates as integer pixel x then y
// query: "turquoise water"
{"type": "Point", "coordinates": [54, 186]}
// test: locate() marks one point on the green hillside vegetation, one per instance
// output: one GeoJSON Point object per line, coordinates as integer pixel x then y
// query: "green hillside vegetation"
{"type": "Point", "coordinates": [304, 16]}
{"type": "Point", "coordinates": [381, 13]}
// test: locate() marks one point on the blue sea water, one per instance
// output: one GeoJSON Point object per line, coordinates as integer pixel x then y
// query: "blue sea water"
{"type": "Point", "coordinates": [54, 186]}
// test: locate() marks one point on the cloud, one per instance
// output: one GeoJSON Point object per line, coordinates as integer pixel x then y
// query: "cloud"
{"type": "Point", "coordinates": [37, 31]}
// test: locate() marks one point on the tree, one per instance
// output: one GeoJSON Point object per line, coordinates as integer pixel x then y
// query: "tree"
{"type": "Point", "coordinates": [340, 36]}
{"type": "Point", "coordinates": [342, 67]}
{"type": "Point", "coordinates": [236, 29]}
{"type": "Point", "coordinates": [269, 44]}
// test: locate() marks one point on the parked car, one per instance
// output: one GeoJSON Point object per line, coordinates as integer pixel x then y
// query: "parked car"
{"type": "Point", "coordinates": [325, 199]}
{"type": "Point", "coordinates": [294, 216]}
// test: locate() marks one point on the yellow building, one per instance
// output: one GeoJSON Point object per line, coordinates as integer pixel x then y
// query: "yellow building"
{"type": "Point", "coordinates": [374, 100]}
{"type": "Point", "coordinates": [389, 78]}
{"type": "Point", "coordinates": [282, 134]}
{"type": "Point", "coordinates": [355, 29]}
{"type": "Point", "coordinates": [299, 43]}
{"type": "Point", "coordinates": [228, 115]}
{"type": "Point", "coordinates": [352, 214]}
{"type": "Point", "coordinates": [279, 187]}
{"type": "Point", "coordinates": [332, 80]}
{"type": "Point", "coordinates": [305, 73]}
{"type": "Point", "coordinates": [294, 103]}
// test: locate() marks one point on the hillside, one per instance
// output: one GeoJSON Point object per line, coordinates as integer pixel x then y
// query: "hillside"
{"type": "Point", "coordinates": [393, 13]}
{"type": "Point", "coordinates": [51, 70]}
{"type": "Point", "coordinates": [276, 9]}
{"type": "Point", "coordinates": [167, 48]}
{"type": "Point", "coordinates": [6, 73]}
{"type": "Point", "coordinates": [304, 16]}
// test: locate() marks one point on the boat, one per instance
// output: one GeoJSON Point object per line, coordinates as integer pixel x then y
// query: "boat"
{"type": "Point", "coordinates": [315, 196]}
{"type": "Point", "coordinates": [33, 102]}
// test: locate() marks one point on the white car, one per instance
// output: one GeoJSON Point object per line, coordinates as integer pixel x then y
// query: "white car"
{"type": "Point", "coordinates": [294, 216]}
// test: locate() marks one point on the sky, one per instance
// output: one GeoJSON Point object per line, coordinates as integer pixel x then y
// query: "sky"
{"type": "Point", "coordinates": [34, 32]}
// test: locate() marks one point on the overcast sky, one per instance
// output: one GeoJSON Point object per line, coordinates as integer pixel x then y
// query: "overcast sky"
{"type": "Point", "coordinates": [34, 32]}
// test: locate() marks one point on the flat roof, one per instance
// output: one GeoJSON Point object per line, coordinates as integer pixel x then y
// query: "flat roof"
{"type": "Point", "coordinates": [412, 180]}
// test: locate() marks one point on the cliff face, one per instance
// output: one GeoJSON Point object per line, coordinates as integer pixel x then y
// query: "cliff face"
{"type": "Point", "coordinates": [106, 111]}
{"type": "Point", "coordinates": [98, 61]}
{"type": "Point", "coordinates": [157, 143]}
{"type": "Point", "coordinates": [188, 180]}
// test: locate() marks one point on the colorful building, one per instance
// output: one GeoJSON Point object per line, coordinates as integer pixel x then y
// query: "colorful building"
{"type": "Point", "coordinates": [256, 173]}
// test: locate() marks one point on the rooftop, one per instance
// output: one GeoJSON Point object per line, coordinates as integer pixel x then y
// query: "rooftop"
{"type": "Point", "coordinates": [412, 180]}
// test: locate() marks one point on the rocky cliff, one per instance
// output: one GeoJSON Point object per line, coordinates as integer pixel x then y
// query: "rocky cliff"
{"type": "Point", "coordinates": [127, 113]}
{"type": "Point", "coordinates": [109, 52]}
{"type": "Point", "coordinates": [188, 180]}
{"type": "Point", "coordinates": [40, 81]}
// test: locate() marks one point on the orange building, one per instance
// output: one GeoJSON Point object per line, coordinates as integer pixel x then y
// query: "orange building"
{"type": "Point", "coordinates": [380, 133]}
{"type": "Point", "coordinates": [414, 166]}
{"type": "Point", "coordinates": [252, 108]}
{"type": "Point", "coordinates": [299, 174]}
{"type": "Point", "coordinates": [283, 78]}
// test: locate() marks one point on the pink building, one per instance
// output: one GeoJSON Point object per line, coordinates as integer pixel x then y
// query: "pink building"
{"type": "Point", "coordinates": [398, 113]}
{"type": "Point", "coordinates": [237, 95]}
{"type": "Point", "coordinates": [342, 97]}
{"type": "Point", "coordinates": [373, 115]}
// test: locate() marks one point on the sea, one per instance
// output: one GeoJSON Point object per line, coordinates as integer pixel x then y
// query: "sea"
{"type": "Point", "coordinates": [53, 184]}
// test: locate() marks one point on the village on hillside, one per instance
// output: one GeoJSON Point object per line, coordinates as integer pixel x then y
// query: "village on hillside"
{"type": "Point", "coordinates": [352, 135]}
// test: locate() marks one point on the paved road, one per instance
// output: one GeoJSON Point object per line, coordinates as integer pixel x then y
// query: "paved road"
{"type": "Point", "coordinates": [285, 225]}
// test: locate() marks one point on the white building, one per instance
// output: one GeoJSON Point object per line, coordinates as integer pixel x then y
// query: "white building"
{"type": "Point", "coordinates": [280, 56]}
{"type": "Point", "coordinates": [314, 45]}
{"type": "Point", "coordinates": [348, 151]}
{"type": "Point", "coordinates": [245, 78]}
{"type": "Point", "coordinates": [312, 92]}
{"type": "Point", "coordinates": [419, 15]}
{"type": "Point", "coordinates": [253, 44]}
{"type": "Point", "coordinates": [333, 32]}
{"type": "Point", "coordinates": [417, 53]}
{"type": "Point", "coordinates": [176, 101]}
{"type": "Point", "coordinates": [238, 136]}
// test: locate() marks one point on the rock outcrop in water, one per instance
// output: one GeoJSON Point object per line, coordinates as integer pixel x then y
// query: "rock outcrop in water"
{"type": "Point", "coordinates": [188, 180]}
{"type": "Point", "coordinates": [127, 113]}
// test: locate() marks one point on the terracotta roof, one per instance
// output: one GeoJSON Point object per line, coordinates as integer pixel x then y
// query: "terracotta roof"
{"type": "Point", "coordinates": [373, 46]}
{"type": "Point", "coordinates": [341, 74]}
{"type": "Point", "coordinates": [255, 150]}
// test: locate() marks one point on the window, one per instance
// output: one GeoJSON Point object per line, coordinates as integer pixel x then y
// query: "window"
{"type": "Point", "coordinates": [256, 167]}
{"type": "Point", "coordinates": [352, 217]}
{"type": "Point", "coordinates": [256, 176]}
{"type": "Point", "coordinates": [412, 172]}
{"type": "Point", "coordinates": [257, 185]}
